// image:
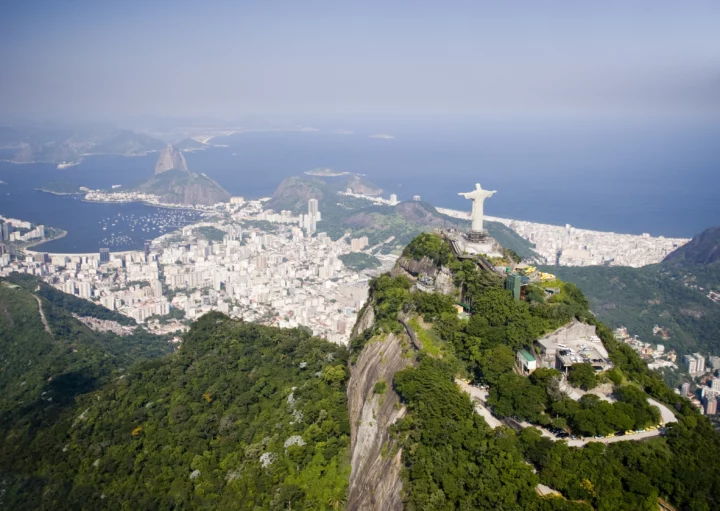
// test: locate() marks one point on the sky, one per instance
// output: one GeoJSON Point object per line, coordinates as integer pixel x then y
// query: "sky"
{"type": "Point", "coordinates": [110, 59]}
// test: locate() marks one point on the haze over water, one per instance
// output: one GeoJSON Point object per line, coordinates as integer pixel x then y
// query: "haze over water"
{"type": "Point", "coordinates": [611, 176]}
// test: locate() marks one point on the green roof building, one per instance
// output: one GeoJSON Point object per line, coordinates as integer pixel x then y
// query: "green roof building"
{"type": "Point", "coordinates": [526, 362]}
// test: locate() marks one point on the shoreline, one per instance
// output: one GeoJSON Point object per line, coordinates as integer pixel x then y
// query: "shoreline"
{"type": "Point", "coordinates": [57, 193]}
{"type": "Point", "coordinates": [25, 248]}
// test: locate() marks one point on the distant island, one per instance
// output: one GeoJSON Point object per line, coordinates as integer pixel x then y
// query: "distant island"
{"type": "Point", "coordinates": [383, 136]}
{"type": "Point", "coordinates": [326, 173]}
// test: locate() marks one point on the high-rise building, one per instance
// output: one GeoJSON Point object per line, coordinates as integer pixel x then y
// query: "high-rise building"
{"type": "Point", "coordinates": [695, 364]}
{"type": "Point", "coordinates": [715, 362]}
{"type": "Point", "coordinates": [393, 199]}
{"type": "Point", "coordinates": [710, 404]}
{"type": "Point", "coordinates": [357, 244]}
{"type": "Point", "coordinates": [416, 198]}
{"type": "Point", "coordinates": [84, 289]}
{"type": "Point", "coordinates": [691, 364]}
{"type": "Point", "coordinates": [715, 384]}
{"type": "Point", "coordinates": [312, 207]}
{"type": "Point", "coordinates": [146, 250]}
{"type": "Point", "coordinates": [7, 230]}
{"type": "Point", "coordinates": [685, 389]}
{"type": "Point", "coordinates": [104, 255]}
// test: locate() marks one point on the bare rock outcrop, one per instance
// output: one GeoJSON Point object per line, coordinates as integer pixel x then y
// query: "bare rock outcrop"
{"type": "Point", "coordinates": [376, 460]}
{"type": "Point", "coordinates": [442, 278]}
{"type": "Point", "coordinates": [366, 319]}
{"type": "Point", "coordinates": [170, 159]}
{"type": "Point", "coordinates": [414, 268]}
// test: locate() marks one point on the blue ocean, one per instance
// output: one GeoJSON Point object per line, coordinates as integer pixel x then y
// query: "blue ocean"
{"type": "Point", "coordinates": [629, 177]}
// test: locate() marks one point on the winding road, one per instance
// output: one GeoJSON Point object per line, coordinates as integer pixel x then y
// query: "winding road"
{"type": "Point", "coordinates": [479, 396]}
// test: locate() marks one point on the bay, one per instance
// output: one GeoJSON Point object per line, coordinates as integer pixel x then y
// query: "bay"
{"type": "Point", "coordinates": [630, 177]}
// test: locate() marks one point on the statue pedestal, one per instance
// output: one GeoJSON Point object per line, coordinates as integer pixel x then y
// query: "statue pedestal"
{"type": "Point", "coordinates": [475, 243]}
{"type": "Point", "coordinates": [476, 236]}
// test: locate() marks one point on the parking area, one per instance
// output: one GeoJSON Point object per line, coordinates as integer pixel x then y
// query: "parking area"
{"type": "Point", "coordinates": [575, 343]}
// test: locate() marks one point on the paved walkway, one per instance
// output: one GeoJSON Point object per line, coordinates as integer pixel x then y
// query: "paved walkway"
{"type": "Point", "coordinates": [478, 397]}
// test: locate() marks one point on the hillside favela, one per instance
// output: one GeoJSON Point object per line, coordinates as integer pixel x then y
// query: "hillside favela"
{"type": "Point", "coordinates": [365, 257]}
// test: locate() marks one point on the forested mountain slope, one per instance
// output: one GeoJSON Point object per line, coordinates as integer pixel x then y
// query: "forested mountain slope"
{"type": "Point", "coordinates": [454, 460]}
{"type": "Point", "coordinates": [675, 295]}
{"type": "Point", "coordinates": [241, 417]}
{"type": "Point", "coordinates": [53, 353]}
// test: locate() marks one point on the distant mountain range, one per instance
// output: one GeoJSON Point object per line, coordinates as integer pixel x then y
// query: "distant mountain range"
{"type": "Point", "coordinates": [675, 295]}
{"type": "Point", "coordinates": [56, 144]}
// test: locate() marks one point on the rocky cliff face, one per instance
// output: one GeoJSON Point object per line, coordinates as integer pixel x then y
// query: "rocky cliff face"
{"type": "Point", "coordinates": [170, 159]}
{"type": "Point", "coordinates": [413, 268]}
{"type": "Point", "coordinates": [376, 460]}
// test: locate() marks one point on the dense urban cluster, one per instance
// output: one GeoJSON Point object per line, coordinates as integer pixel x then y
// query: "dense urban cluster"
{"type": "Point", "coordinates": [281, 275]}
{"type": "Point", "coordinates": [13, 230]}
{"type": "Point", "coordinates": [570, 246]}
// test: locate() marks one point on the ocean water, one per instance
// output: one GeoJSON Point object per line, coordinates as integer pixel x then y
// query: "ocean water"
{"type": "Point", "coordinates": [90, 225]}
{"type": "Point", "coordinates": [630, 177]}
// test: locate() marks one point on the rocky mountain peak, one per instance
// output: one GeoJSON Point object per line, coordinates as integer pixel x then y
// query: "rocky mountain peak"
{"type": "Point", "coordinates": [170, 159]}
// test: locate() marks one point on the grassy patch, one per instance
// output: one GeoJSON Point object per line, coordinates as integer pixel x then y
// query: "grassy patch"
{"type": "Point", "coordinates": [431, 344]}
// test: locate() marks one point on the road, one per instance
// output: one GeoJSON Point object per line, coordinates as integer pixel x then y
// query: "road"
{"type": "Point", "coordinates": [479, 397]}
{"type": "Point", "coordinates": [42, 316]}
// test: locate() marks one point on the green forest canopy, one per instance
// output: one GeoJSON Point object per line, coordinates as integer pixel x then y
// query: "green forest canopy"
{"type": "Point", "coordinates": [242, 417]}
{"type": "Point", "coordinates": [448, 449]}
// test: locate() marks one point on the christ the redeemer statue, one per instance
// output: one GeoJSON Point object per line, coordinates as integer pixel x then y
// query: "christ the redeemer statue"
{"type": "Point", "coordinates": [478, 196]}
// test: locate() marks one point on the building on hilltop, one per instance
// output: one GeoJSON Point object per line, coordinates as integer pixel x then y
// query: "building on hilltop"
{"type": "Point", "coordinates": [574, 343]}
{"type": "Point", "coordinates": [526, 362]}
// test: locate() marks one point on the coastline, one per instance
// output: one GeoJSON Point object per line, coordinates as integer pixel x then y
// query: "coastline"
{"type": "Point", "coordinates": [58, 193]}
{"type": "Point", "coordinates": [25, 248]}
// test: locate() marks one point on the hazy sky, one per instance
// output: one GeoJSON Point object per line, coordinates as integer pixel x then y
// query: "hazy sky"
{"type": "Point", "coordinates": [114, 58]}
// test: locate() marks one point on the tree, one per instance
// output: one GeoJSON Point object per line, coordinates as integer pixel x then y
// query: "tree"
{"type": "Point", "coordinates": [583, 376]}
{"type": "Point", "coordinates": [494, 363]}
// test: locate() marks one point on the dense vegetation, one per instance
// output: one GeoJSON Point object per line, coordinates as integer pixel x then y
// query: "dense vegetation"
{"type": "Point", "coordinates": [454, 460]}
{"type": "Point", "coordinates": [680, 467]}
{"type": "Point", "coordinates": [210, 233]}
{"type": "Point", "coordinates": [667, 295]}
{"type": "Point", "coordinates": [359, 261]}
{"type": "Point", "coordinates": [440, 431]}
{"type": "Point", "coordinates": [242, 417]}
{"type": "Point", "coordinates": [69, 303]}
{"type": "Point", "coordinates": [67, 360]}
